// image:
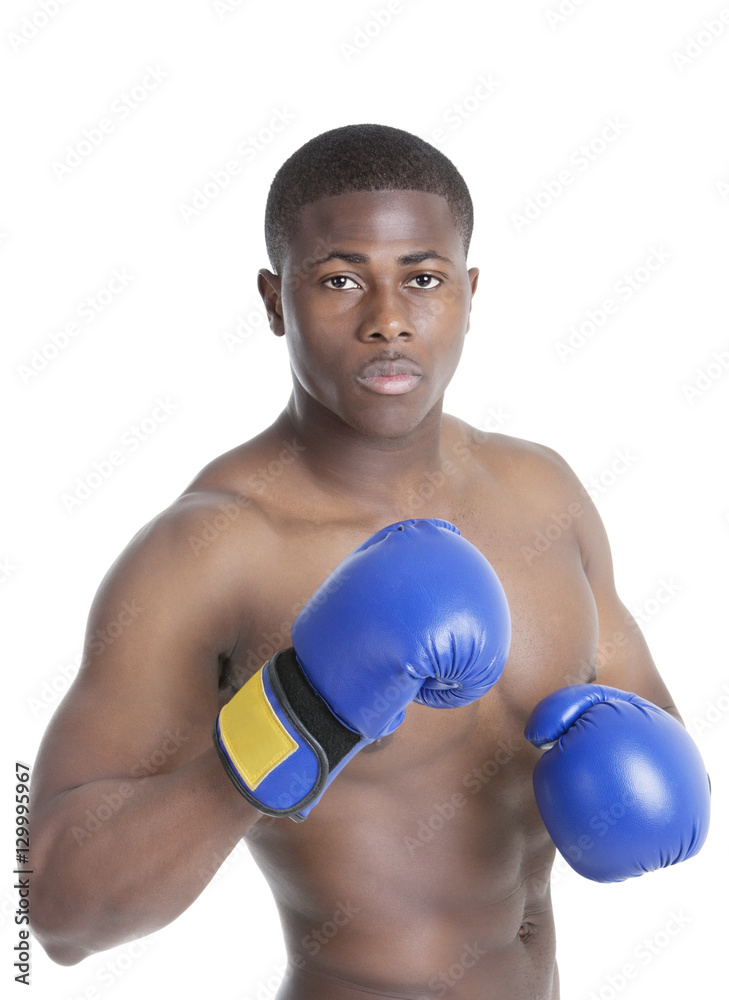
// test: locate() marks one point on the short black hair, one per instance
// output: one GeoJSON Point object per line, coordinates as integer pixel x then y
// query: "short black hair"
{"type": "Point", "coordinates": [360, 158]}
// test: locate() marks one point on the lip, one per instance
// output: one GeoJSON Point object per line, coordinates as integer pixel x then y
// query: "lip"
{"type": "Point", "coordinates": [390, 378]}
{"type": "Point", "coordinates": [390, 385]}
{"type": "Point", "coordinates": [386, 368]}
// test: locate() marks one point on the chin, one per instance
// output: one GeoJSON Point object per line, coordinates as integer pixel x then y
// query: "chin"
{"type": "Point", "coordinates": [392, 427]}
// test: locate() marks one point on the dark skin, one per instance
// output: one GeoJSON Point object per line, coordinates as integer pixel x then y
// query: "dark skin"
{"type": "Point", "coordinates": [424, 870]}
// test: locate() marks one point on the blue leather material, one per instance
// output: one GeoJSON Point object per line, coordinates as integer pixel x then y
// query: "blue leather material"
{"type": "Point", "coordinates": [295, 777]}
{"type": "Point", "coordinates": [302, 813]}
{"type": "Point", "coordinates": [415, 613]}
{"type": "Point", "coordinates": [623, 790]}
{"type": "Point", "coordinates": [289, 781]}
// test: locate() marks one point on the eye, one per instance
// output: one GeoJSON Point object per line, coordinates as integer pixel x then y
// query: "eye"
{"type": "Point", "coordinates": [425, 281]}
{"type": "Point", "coordinates": [337, 278]}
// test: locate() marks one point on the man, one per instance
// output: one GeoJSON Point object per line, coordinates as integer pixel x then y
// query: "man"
{"type": "Point", "coordinates": [422, 863]}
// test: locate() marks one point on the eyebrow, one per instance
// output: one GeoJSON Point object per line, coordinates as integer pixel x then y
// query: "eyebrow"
{"type": "Point", "coordinates": [404, 261]}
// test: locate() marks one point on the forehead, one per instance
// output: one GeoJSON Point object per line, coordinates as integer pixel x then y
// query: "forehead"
{"type": "Point", "coordinates": [376, 217]}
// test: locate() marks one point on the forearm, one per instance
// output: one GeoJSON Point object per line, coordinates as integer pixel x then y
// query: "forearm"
{"type": "Point", "coordinates": [119, 858]}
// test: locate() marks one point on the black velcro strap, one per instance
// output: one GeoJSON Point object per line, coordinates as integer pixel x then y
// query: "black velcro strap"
{"type": "Point", "coordinates": [301, 702]}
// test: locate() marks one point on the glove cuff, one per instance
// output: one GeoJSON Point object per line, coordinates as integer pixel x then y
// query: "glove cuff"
{"type": "Point", "coordinates": [278, 740]}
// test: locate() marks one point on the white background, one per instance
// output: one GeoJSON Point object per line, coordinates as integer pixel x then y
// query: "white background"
{"type": "Point", "coordinates": [221, 74]}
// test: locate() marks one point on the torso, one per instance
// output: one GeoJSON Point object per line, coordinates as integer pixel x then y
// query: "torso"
{"type": "Point", "coordinates": [424, 871]}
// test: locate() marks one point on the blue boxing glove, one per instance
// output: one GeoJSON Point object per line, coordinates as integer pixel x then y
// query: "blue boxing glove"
{"type": "Point", "coordinates": [622, 788]}
{"type": "Point", "coordinates": [416, 613]}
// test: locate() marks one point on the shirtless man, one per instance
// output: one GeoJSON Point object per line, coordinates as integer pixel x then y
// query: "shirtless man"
{"type": "Point", "coordinates": [367, 229]}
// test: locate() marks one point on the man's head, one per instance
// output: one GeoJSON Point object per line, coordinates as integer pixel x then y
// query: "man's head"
{"type": "Point", "coordinates": [359, 158]}
{"type": "Point", "coordinates": [369, 228]}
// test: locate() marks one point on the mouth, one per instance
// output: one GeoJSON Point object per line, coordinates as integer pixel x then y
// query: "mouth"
{"type": "Point", "coordinates": [390, 378]}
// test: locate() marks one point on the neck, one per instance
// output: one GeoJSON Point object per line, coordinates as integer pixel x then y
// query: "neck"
{"type": "Point", "coordinates": [372, 470]}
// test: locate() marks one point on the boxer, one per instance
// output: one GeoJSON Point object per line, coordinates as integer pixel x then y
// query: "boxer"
{"type": "Point", "coordinates": [349, 623]}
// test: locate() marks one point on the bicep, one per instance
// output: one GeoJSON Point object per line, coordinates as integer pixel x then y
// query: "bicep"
{"type": "Point", "coordinates": [623, 658]}
{"type": "Point", "coordinates": [146, 695]}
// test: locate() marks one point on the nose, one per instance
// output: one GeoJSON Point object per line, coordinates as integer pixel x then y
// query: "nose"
{"type": "Point", "coordinates": [384, 317]}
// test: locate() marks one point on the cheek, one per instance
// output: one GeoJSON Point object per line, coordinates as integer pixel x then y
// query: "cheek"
{"type": "Point", "coordinates": [446, 319]}
{"type": "Point", "coordinates": [449, 360]}
{"type": "Point", "coordinates": [317, 365]}
{"type": "Point", "coordinates": [445, 315]}
{"type": "Point", "coordinates": [458, 307]}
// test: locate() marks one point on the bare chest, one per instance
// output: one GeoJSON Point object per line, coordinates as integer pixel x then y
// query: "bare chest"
{"type": "Point", "coordinates": [554, 620]}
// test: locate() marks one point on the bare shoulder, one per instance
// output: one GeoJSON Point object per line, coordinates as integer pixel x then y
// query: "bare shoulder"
{"type": "Point", "coordinates": [183, 567]}
{"type": "Point", "coordinates": [527, 467]}
{"type": "Point", "coordinates": [543, 492]}
{"type": "Point", "coordinates": [165, 616]}
{"type": "Point", "coordinates": [235, 489]}
{"type": "Point", "coordinates": [214, 537]}
{"type": "Point", "coordinates": [179, 541]}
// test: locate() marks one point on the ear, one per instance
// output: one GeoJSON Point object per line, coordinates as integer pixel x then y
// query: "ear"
{"type": "Point", "coordinates": [269, 286]}
{"type": "Point", "coordinates": [473, 273]}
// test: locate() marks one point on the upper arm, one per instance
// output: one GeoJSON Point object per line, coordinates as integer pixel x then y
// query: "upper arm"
{"type": "Point", "coordinates": [623, 658]}
{"type": "Point", "coordinates": [146, 695]}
